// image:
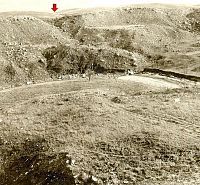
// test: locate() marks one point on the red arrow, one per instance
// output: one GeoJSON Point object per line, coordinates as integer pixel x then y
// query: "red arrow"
{"type": "Point", "coordinates": [54, 7]}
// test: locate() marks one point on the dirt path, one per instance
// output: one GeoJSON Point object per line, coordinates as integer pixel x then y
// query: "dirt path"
{"type": "Point", "coordinates": [151, 81]}
{"type": "Point", "coordinates": [193, 53]}
{"type": "Point", "coordinates": [18, 94]}
{"type": "Point", "coordinates": [14, 95]}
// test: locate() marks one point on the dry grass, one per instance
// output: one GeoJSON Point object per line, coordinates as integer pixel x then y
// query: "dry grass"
{"type": "Point", "coordinates": [120, 132]}
{"type": "Point", "coordinates": [116, 141]}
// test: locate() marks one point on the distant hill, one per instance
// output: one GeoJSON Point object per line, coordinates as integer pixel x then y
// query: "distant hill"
{"type": "Point", "coordinates": [161, 36]}
{"type": "Point", "coordinates": [22, 38]}
{"type": "Point", "coordinates": [150, 29]}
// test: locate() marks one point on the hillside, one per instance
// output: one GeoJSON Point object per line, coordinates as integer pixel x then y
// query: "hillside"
{"type": "Point", "coordinates": [107, 96]}
{"type": "Point", "coordinates": [160, 37]}
{"type": "Point", "coordinates": [22, 40]}
{"type": "Point", "coordinates": [119, 132]}
{"type": "Point", "coordinates": [159, 33]}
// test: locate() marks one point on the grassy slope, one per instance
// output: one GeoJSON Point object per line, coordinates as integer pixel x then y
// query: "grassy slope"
{"type": "Point", "coordinates": [144, 134]}
{"type": "Point", "coordinates": [22, 40]}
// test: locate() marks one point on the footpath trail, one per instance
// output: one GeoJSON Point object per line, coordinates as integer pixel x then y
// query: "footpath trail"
{"type": "Point", "coordinates": [26, 92]}
{"type": "Point", "coordinates": [151, 81]}
{"type": "Point", "coordinates": [128, 83]}
{"type": "Point", "coordinates": [18, 94]}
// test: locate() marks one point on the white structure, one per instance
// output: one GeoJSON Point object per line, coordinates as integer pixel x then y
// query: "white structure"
{"type": "Point", "coordinates": [130, 72]}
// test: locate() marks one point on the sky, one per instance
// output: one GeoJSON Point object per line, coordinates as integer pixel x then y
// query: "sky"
{"type": "Point", "coordinates": [45, 5]}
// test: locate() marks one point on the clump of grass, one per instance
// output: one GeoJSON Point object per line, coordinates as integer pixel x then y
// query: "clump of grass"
{"type": "Point", "coordinates": [116, 100]}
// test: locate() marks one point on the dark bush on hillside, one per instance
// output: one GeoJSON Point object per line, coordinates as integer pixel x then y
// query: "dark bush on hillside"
{"type": "Point", "coordinates": [98, 68]}
{"type": "Point", "coordinates": [156, 57]}
{"type": "Point", "coordinates": [28, 164]}
{"type": "Point", "coordinates": [196, 44]}
{"type": "Point", "coordinates": [50, 53]}
{"type": "Point", "coordinates": [10, 71]}
{"type": "Point", "coordinates": [116, 100]}
{"type": "Point", "coordinates": [67, 59]}
{"type": "Point", "coordinates": [194, 19]}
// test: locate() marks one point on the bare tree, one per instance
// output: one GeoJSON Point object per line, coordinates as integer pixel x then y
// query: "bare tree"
{"type": "Point", "coordinates": [9, 69]}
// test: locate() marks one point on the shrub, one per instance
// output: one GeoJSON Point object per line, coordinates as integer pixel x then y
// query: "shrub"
{"type": "Point", "coordinates": [10, 70]}
{"type": "Point", "coordinates": [29, 164]}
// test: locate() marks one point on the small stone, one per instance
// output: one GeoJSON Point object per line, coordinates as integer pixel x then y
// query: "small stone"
{"type": "Point", "coordinates": [84, 177]}
{"type": "Point", "coordinates": [177, 100]}
{"type": "Point", "coordinates": [29, 83]}
{"type": "Point", "coordinates": [126, 182]}
{"type": "Point", "coordinates": [94, 179]}
{"type": "Point", "coordinates": [115, 181]}
{"type": "Point", "coordinates": [73, 162]}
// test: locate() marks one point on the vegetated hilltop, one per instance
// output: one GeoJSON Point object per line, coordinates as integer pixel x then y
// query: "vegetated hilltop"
{"type": "Point", "coordinates": [148, 28]}
{"type": "Point", "coordinates": [22, 39]}
{"type": "Point", "coordinates": [163, 34]}
{"type": "Point", "coordinates": [71, 59]}
{"type": "Point", "coordinates": [27, 29]}
{"type": "Point", "coordinates": [150, 37]}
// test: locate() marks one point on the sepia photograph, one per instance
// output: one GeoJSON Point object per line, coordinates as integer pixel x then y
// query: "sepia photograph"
{"type": "Point", "coordinates": [99, 92]}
